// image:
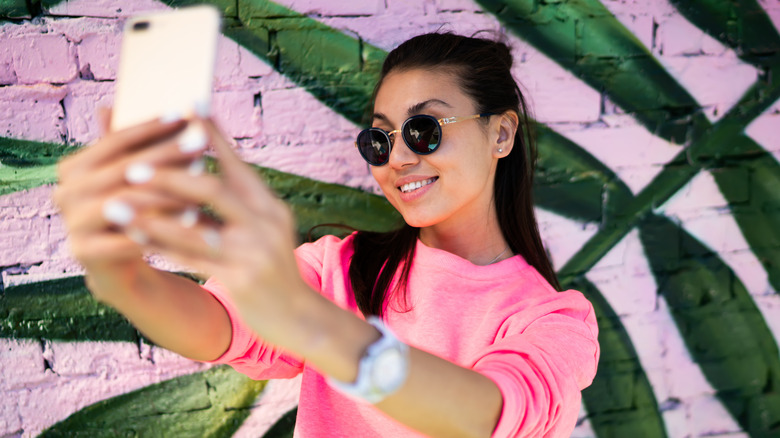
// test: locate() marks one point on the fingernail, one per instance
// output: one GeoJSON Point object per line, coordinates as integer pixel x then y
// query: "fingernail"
{"type": "Point", "coordinates": [137, 236]}
{"type": "Point", "coordinates": [197, 167]}
{"type": "Point", "coordinates": [212, 238]}
{"type": "Point", "coordinates": [193, 139]}
{"type": "Point", "coordinates": [118, 212]}
{"type": "Point", "coordinates": [171, 116]}
{"type": "Point", "coordinates": [189, 217]}
{"type": "Point", "coordinates": [203, 109]}
{"type": "Point", "coordinates": [139, 173]}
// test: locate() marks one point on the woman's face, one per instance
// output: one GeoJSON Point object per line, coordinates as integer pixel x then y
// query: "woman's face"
{"type": "Point", "coordinates": [457, 179]}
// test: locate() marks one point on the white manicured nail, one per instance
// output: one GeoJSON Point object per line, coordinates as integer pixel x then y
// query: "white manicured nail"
{"type": "Point", "coordinates": [189, 217]}
{"type": "Point", "coordinates": [171, 116]}
{"type": "Point", "coordinates": [139, 173]}
{"type": "Point", "coordinates": [212, 238]}
{"type": "Point", "coordinates": [193, 139]}
{"type": "Point", "coordinates": [118, 212]}
{"type": "Point", "coordinates": [137, 236]}
{"type": "Point", "coordinates": [197, 167]}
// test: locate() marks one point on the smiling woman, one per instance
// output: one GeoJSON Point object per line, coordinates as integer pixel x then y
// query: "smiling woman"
{"type": "Point", "coordinates": [450, 326]}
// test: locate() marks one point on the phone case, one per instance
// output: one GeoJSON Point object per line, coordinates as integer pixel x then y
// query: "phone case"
{"type": "Point", "coordinates": [166, 65]}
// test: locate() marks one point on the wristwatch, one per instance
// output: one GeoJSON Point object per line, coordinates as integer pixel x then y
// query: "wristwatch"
{"type": "Point", "coordinates": [382, 369]}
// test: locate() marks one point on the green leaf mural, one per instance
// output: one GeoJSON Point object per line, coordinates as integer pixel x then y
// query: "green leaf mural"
{"type": "Point", "coordinates": [742, 25]}
{"type": "Point", "coordinates": [283, 428]}
{"type": "Point", "coordinates": [717, 319]}
{"type": "Point", "coordinates": [571, 182]}
{"type": "Point", "coordinates": [620, 401]}
{"type": "Point", "coordinates": [719, 322]}
{"type": "Point", "coordinates": [586, 39]}
{"type": "Point", "coordinates": [61, 310]}
{"type": "Point", "coordinates": [26, 164]}
{"type": "Point", "coordinates": [212, 403]}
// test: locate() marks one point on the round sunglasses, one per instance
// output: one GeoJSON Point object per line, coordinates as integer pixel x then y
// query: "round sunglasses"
{"type": "Point", "coordinates": [421, 133]}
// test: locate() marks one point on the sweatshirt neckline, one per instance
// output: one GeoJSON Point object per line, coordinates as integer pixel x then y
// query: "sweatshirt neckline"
{"type": "Point", "coordinates": [450, 262]}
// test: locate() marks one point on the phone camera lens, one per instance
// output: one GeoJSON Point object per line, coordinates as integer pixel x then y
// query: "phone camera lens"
{"type": "Point", "coordinates": [141, 25]}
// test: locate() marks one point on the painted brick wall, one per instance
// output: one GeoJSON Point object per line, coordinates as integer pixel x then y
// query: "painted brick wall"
{"type": "Point", "coordinates": [58, 63]}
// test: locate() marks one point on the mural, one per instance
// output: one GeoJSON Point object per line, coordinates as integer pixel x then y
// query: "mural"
{"type": "Point", "coordinates": [658, 189]}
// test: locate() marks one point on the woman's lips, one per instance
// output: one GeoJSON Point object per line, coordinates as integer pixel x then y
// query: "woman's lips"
{"type": "Point", "coordinates": [411, 191]}
{"type": "Point", "coordinates": [412, 186]}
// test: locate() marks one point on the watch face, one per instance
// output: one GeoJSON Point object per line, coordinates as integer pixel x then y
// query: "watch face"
{"type": "Point", "coordinates": [389, 370]}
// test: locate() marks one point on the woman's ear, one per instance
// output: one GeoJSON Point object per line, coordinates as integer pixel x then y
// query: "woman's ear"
{"type": "Point", "coordinates": [506, 127]}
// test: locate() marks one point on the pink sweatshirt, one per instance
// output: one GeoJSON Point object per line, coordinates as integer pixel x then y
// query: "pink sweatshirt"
{"type": "Point", "coordinates": [502, 320]}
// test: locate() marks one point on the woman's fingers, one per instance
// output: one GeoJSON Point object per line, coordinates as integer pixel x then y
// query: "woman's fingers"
{"type": "Point", "coordinates": [103, 248]}
{"type": "Point", "coordinates": [117, 144]}
{"type": "Point", "coordinates": [167, 233]}
{"type": "Point", "coordinates": [135, 168]}
{"type": "Point", "coordinates": [104, 120]}
{"type": "Point", "coordinates": [203, 189]}
{"type": "Point", "coordinates": [121, 209]}
{"type": "Point", "coordinates": [238, 175]}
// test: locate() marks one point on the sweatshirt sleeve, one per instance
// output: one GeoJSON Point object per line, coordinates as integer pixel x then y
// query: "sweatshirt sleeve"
{"type": "Point", "coordinates": [248, 353]}
{"type": "Point", "coordinates": [540, 361]}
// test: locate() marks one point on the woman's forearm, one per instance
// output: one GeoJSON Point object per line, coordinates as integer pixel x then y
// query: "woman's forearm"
{"type": "Point", "coordinates": [439, 398]}
{"type": "Point", "coordinates": [172, 311]}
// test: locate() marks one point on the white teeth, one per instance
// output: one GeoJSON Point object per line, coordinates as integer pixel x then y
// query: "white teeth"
{"type": "Point", "coordinates": [408, 187]}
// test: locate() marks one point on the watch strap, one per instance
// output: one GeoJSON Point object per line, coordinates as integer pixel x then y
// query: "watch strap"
{"type": "Point", "coordinates": [365, 387]}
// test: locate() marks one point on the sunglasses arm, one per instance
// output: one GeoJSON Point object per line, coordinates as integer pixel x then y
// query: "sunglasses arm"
{"type": "Point", "coordinates": [449, 120]}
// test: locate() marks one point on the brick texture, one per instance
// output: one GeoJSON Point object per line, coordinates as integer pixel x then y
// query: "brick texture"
{"type": "Point", "coordinates": [58, 66]}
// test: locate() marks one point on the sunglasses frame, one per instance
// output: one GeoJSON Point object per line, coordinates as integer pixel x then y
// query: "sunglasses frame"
{"type": "Point", "coordinates": [390, 136]}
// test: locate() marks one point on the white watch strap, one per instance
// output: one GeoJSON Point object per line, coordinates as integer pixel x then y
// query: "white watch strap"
{"type": "Point", "coordinates": [387, 357]}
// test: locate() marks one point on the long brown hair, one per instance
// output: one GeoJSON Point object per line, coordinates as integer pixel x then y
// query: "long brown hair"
{"type": "Point", "coordinates": [482, 68]}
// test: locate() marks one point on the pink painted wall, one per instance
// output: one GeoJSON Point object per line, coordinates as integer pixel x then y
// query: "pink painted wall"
{"type": "Point", "coordinates": [57, 69]}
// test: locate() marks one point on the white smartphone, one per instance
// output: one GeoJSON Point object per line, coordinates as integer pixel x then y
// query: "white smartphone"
{"type": "Point", "coordinates": [166, 65]}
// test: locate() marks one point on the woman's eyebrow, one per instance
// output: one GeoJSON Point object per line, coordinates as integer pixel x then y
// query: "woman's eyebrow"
{"type": "Point", "coordinates": [413, 110]}
{"type": "Point", "coordinates": [379, 117]}
{"type": "Point", "coordinates": [417, 108]}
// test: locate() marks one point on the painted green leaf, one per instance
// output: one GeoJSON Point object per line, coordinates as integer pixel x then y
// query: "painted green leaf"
{"type": "Point", "coordinates": [213, 403]}
{"type": "Point", "coordinates": [284, 427]}
{"type": "Point", "coordinates": [620, 401]}
{"type": "Point", "coordinates": [571, 182]}
{"type": "Point", "coordinates": [742, 25]}
{"type": "Point", "coordinates": [718, 144]}
{"type": "Point", "coordinates": [584, 38]}
{"type": "Point", "coordinates": [26, 164]}
{"type": "Point", "coordinates": [719, 322]}
{"type": "Point", "coordinates": [13, 9]}
{"type": "Point", "coordinates": [60, 310]}
{"type": "Point", "coordinates": [336, 68]}
{"type": "Point", "coordinates": [15, 179]}
{"type": "Point", "coordinates": [315, 203]}
{"type": "Point", "coordinates": [750, 185]}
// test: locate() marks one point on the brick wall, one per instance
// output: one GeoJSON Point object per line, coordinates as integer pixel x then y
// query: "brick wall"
{"type": "Point", "coordinates": [58, 63]}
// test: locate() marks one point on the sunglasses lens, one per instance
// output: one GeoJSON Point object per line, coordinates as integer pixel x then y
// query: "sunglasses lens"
{"type": "Point", "coordinates": [422, 134]}
{"type": "Point", "coordinates": [374, 146]}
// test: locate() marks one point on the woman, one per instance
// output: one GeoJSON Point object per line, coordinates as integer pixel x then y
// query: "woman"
{"type": "Point", "coordinates": [466, 333]}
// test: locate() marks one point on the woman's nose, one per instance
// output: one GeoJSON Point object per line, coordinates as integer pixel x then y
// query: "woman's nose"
{"type": "Point", "coordinates": [400, 154]}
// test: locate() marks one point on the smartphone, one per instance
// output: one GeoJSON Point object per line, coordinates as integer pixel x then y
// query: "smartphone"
{"type": "Point", "coordinates": [166, 65]}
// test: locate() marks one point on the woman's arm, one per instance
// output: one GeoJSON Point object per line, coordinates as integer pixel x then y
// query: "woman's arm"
{"type": "Point", "coordinates": [439, 398]}
{"type": "Point", "coordinates": [172, 311]}
{"type": "Point", "coordinates": [250, 252]}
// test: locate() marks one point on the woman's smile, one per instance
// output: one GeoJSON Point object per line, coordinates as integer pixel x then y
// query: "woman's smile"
{"type": "Point", "coordinates": [411, 186]}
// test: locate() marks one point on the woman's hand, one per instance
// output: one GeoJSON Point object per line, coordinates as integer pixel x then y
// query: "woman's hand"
{"type": "Point", "coordinates": [96, 201]}
{"type": "Point", "coordinates": [249, 249]}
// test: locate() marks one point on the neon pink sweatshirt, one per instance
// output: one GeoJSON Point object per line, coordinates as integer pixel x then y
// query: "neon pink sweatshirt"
{"type": "Point", "coordinates": [502, 320]}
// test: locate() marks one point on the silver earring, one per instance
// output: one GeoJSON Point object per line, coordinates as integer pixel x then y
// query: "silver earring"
{"type": "Point", "coordinates": [500, 150]}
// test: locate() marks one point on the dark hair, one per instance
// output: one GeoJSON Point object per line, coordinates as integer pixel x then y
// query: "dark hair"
{"type": "Point", "coordinates": [482, 67]}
